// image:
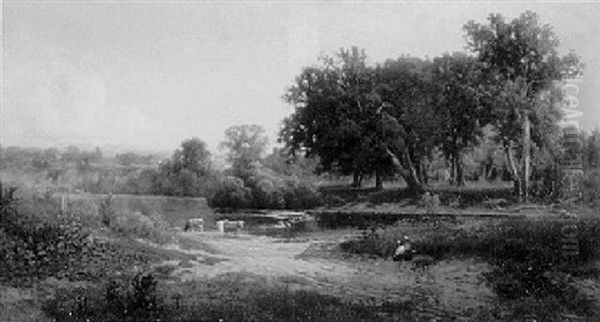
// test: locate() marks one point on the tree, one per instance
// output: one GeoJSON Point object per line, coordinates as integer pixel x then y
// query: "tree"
{"type": "Point", "coordinates": [187, 173]}
{"type": "Point", "coordinates": [457, 104]}
{"type": "Point", "coordinates": [405, 89]}
{"type": "Point", "coordinates": [193, 157]}
{"type": "Point", "coordinates": [358, 119]}
{"type": "Point", "coordinates": [71, 154]}
{"type": "Point", "coordinates": [336, 117]}
{"type": "Point", "coordinates": [283, 163]}
{"type": "Point", "coordinates": [246, 144]}
{"type": "Point", "coordinates": [592, 149]}
{"type": "Point", "coordinates": [521, 66]}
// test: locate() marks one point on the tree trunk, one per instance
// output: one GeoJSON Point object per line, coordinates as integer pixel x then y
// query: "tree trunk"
{"type": "Point", "coordinates": [356, 179]}
{"type": "Point", "coordinates": [453, 170]}
{"type": "Point", "coordinates": [526, 157]}
{"type": "Point", "coordinates": [408, 173]}
{"type": "Point", "coordinates": [424, 173]}
{"type": "Point", "coordinates": [514, 172]}
{"type": "Point", "coordinates": [460, 179]}
{"type": "Point", "coordinates": [378, 180]}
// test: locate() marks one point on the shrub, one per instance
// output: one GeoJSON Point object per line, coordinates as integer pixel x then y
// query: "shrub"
{"type": "Point", "coordinates": [106, 210]}
{"type": "Point", "coordinates": [264, 190]}
{"type": "Point", "coordinates": [229, 297]}
{"type": "Point", "coordinates": [299, 194]}
{"type": "Point", "coordinates": [266, 195]}
{"type": "Point", "coordinates": [231, 193]}
{"type": "Point", "coordinates": [591, 188]}
{"type": "Point", "coordinates": [86, 212]}
{"type": "Point", "coordinates": [34, 247]}
{"type": "Point", "coordinates": [138, 225]}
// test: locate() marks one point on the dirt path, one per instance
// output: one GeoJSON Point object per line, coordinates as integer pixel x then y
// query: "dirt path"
{"type": "Point", "coordinates": [450, 286]}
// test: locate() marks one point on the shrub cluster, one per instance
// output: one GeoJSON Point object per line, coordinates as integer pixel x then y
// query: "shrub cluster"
{"type": "Point", "coordinates": [149, 226]}
{"type": "Point", "coordinates": [32, 247]}
{"type": "Point", "coordinates": [264, 189]}
{"type": "Point", "coordinates": [591, 188]}
{"type": "Point", "coordinates": [229, 297]}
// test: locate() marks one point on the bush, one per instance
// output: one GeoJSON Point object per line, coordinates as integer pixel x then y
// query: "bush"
{"type": "Point", "coordinates": [300, 194]}
{"type": "Point", "coordinates": [231, 193]}
{"type": "Point", "coordinates": [266, 195]}
{"type": "Point", "coordinates": [229, 297]}
{"type": "Point", "coordinates": [86, 212]}
{"type": "Point", "coordinates": [591, 188]}
{"type": "Point", "coordinates": [33, 247]}
{"type": "Point", "coordinates": [265, 190]}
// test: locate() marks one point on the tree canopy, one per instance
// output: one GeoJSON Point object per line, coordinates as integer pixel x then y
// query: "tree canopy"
{"type": "Point", "coordinates": [389, 118]}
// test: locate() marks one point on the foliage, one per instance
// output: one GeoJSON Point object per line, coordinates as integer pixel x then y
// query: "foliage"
{"type": "Point", "coordinates": [591, 149]}
{"type": "Point", "coordinates": [33, 247]}
{"type": "Point", "coordinates": [527, 254]}
{"type": "Point", "coordinates": [229, 297]}
{"type": "Point", "coordinates": [521, 66]}
{"type": "Point", "coordinates": [355, 117]}
{"type": "Point", "coordinates": [231, 193]}
{"type": "Point", "coordinates": [265, 189]}
{"type": "Point", "coordinates": [131, 158]}
{"type": "Point", "coordinates": [246, 144]}
{"type": "Point", "coordinates": [458, 106]}
{"type": "Point", "coordinates": [149, 226]}
{"type": "Point", "coordinates": [591, 188]}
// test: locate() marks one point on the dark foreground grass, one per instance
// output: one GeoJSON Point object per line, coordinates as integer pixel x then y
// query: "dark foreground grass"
{"type": "Point", "coordinates": [534, 260]}
{"type": "Point", "coordinates": [229, 297]}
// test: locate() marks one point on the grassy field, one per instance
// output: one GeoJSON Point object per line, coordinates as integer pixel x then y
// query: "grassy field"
{"type": "Point", "coordinates": [127, 259]}
{"type": "Point", "coordinates": [174, 210]}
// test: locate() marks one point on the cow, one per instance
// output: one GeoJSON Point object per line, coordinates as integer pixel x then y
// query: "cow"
{"type": "Point", "coordinates": [194, 224]}
{"type": "Point", "coordinates": [230, 225]}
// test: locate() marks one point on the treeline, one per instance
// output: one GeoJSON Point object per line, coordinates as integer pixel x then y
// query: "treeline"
{"type": "Point", "coordinates": [393, 117]}
{"type": "Point", "coordinates": [252, 179]}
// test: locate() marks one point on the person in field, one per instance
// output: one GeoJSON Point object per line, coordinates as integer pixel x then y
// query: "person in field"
{"type": "Point", "coordinates": [404, 250]}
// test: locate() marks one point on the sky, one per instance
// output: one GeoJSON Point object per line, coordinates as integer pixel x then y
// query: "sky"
{"type": "Point", "coordinates": [149, 74]}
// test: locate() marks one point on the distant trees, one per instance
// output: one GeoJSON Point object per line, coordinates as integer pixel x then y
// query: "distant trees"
{"type": "Point", "coordinates": [188, 173]}
{"type": "Point", "coordinates": [131, 158]}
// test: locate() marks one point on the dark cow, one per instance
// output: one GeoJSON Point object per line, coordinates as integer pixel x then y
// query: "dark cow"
{"type": "Point", "coordinates": [194, 224]}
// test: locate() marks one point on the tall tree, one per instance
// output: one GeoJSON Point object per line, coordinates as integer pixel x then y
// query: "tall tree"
{"type": "Point", "coordinates": [193, 156]}
{"type": "Point", "coordinates": [246, 144]}
{"type": "Point", "coordinates": [334, 116]}
{"type": "Point", "coordinates": [355, 119]}
{"type": "Point", "coordinates": [405, 90]}
{"type": "Point", "coordinates": [457, 104]}
{"type": "Point", "coordinates": [522, 64]}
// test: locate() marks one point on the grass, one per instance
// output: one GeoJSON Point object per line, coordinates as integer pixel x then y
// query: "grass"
{"type": "Point", "coordinates": [528, 257]}
{"type": "Point", "coordinates": [228, 297]}
{"type": "Point", "coordinates": [174, 210]}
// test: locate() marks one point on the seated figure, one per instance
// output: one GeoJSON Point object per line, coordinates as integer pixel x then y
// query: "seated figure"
{"type": "Point", "coordinates": [404, 250]}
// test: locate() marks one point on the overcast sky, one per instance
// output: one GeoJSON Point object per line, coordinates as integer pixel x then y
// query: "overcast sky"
{"type": "Point", "coordinates": [150, 74]}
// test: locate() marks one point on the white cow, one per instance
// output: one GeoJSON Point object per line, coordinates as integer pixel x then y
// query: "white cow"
{"type": "Point", "coordinates": [194, 224]}
{"type": "Point", "coordinates": [230, 225]}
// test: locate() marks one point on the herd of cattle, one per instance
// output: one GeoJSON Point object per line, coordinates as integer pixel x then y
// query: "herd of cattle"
{"type": "Point", "coordinates": [223, 226]}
